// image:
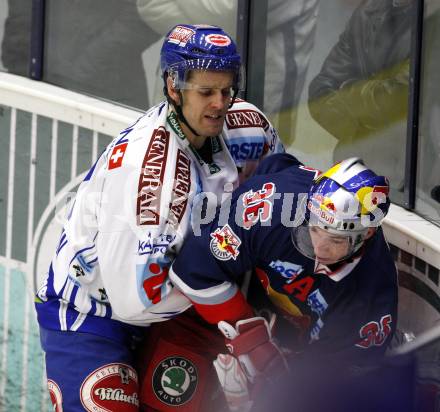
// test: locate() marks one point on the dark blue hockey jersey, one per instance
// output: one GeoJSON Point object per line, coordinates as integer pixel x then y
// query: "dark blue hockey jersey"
{"type": "Point", "coordinates": [349, 309]}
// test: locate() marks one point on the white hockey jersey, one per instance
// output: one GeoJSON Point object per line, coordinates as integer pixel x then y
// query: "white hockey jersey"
{"type": "Point", "coordinates": [131, 215]}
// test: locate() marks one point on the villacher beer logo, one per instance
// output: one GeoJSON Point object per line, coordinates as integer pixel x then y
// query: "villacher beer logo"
{"type": "Point", "coordinates": [112, 387]}
{"type": "Point", "coordinates": [55, 395]}
{"type": "Point", "coordinates": [175, 381]}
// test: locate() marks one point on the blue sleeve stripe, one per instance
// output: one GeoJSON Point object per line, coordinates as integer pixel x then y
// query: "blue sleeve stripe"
{"type": "Point", "coordinates": [61, 246]}
{"type": "Point", "coordinates": [92, 169]}
{"type": "Point", "coordinates": [81, 251]}
{"type": "Point", "coordinates": [92, 262]}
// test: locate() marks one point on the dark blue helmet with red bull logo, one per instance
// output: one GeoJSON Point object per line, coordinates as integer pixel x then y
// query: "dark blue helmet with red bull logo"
{"type": "Point", "coordinates": [345, 201]}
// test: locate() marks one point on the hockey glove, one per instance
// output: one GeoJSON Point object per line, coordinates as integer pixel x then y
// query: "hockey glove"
{"type": "Point", "coordinates": [252, 344]}
{"type": "Point", "coordinates": [256, 357]}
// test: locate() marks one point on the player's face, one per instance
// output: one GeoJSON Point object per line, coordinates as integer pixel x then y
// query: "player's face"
{"type": "Point", "coordinates": [328, 248]}
{"type": "Point", "coordinates": [207, 100]}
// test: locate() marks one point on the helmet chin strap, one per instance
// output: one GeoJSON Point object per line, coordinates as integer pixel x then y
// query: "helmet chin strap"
{"type": "Point", "coordinates": [347, 259]}
{"type": "Point", "coordinates": [233, 97]}
{"type": "Point", "coordinates": [180, 115]}
{"type": "Point", "coordinates": [178, 108]}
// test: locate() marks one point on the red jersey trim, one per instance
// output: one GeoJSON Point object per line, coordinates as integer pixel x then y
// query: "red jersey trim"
{"type": "Point", "coordinates": [230, 311]}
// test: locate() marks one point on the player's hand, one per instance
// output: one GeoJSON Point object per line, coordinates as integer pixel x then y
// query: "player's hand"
{"type": "Point", "coordinates": [234, 383]}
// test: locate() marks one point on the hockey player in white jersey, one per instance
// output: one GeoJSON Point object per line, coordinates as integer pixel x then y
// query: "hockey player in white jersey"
{"type": "Point", "coordinates": [108, 279]}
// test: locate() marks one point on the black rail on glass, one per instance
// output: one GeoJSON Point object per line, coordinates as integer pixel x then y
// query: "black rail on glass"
{"type": "Point", "coordinates": [37, 40]}
{"type": "Point", "coordinates": [242, 34]}
{"type": "Point", "coordinates": [413, 108]}
{"type": "Point", "coordinates": [251, 38]}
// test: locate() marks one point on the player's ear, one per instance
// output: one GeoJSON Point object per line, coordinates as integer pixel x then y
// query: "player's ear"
{"type": "Point", "coordinates": [370, 233]}
{"type": "Point", "coordinates": [172, 91]}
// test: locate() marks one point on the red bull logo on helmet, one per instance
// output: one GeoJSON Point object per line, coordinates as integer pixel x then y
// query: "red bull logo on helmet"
{"type": "Point", "coordinates": [324, 202]}
{"type": "Point", "coordinates": [327, 205]}
{"type": "Point", "coordinates": [322, 214]}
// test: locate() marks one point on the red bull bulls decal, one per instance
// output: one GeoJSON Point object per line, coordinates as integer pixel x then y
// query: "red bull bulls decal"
{"type": "Point", "coordinates": [225, 243]}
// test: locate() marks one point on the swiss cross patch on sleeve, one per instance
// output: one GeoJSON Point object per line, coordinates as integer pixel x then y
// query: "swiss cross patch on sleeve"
{"type": "Point", "coordinates": [225, 243]}
{"type": "Point", "coordinates": [115, 159]}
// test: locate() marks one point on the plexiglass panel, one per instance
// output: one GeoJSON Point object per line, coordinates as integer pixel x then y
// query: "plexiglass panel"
{"type": "Point", "coordinates": [15, 35]}
{"type": "Point", "coordinates": [110, 48]}
{"type": "Point", "coordinates": [428, 176]}
{"type": "Point", "coordinates": [344, 91]}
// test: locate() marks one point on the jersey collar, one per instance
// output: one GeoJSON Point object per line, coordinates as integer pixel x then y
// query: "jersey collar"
{"type": "Point", "coordinates": [216, 146]}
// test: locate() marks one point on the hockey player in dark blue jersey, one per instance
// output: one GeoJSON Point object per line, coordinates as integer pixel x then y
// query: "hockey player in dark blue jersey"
{"type": "Point", "coordinates": [314, 241]}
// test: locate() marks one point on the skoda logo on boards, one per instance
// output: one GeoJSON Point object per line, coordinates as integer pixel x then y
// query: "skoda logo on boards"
{"type": "Point", "coordinates": [175, 381]}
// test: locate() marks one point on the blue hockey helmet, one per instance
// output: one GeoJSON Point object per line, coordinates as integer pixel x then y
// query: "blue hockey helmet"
{"type": "Point", "coordinates": [199, 47]}
{"type": "Point", "coordinates": [345, 201]}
